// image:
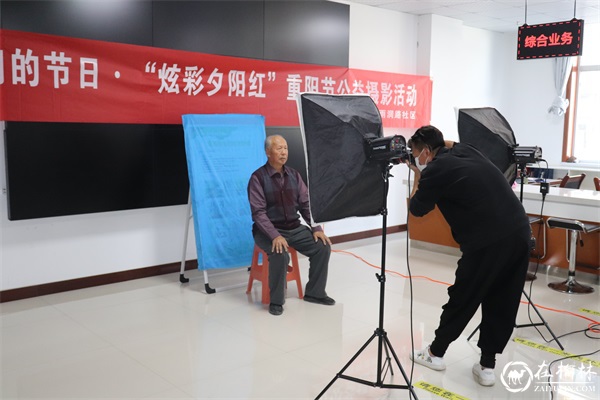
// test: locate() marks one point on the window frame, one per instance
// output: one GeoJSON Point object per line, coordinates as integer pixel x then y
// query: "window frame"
{"type": "Point", "coordinates": [572, 94]}
{"type": "Point", "coordinates": [569, 129]}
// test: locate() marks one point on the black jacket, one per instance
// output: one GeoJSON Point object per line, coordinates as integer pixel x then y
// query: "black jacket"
{"type": "Point", "coordinates": [473, 196]}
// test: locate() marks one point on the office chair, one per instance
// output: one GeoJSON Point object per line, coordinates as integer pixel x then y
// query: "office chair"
{"type": "Point", "coordinates": [572, 182]}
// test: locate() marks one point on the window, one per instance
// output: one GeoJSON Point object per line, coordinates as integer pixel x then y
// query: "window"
{"type": "Point", "coordinates": [582, 125]}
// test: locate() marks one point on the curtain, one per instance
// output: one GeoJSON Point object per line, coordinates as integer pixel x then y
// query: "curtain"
{"type": "Point", "coordinates": [562, 69]}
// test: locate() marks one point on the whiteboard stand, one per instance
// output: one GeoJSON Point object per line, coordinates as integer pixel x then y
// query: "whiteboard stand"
{"type": "Point", "coordinates": [183, 279]}
{"type": "Point", "coordinates": [188, 217]}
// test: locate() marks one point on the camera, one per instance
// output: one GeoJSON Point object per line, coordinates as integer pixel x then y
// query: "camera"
{"type": "Point", "coordinates": [391, 149]}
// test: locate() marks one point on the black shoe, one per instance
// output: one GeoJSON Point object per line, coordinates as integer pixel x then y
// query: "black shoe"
{"type": "Point", "coordinates": [275, 309]}
{"type": "Point", "coordinates": [326, 301]}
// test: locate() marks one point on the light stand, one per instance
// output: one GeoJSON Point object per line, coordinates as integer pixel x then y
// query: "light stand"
{"type": "Point", "coordinates": [522, 175]}
{"type": "Point", "coordinates": [383, 342]}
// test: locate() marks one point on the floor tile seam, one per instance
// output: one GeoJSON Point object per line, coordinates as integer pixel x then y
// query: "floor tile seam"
{"type": "Point", "coordinates": [252, 336]}
{"type": "Point", "coordinates": [231, 370]}
{"type": "Point", "coordinates": [321, 339]}
{"type": "Point", "coordinates": [144, 366]}
{"type": "Point", "coordinates": [320, 342]}
{"type": "Point", "coordinates": [66, 358]}
{"type": "Point", "coordinates": [25, 323]}
{"type": "Point", "coordinates": [193, 309]}
{"type": "Point", "coordinates": [73, 313]}
{"type": "Point", "coordinates": [88, 329]}
{"type": "Point", "coordinates": [106, 345]}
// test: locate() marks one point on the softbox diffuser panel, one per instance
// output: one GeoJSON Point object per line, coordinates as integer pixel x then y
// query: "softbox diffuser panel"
{"type": "Point", "coordinates": [341, 181]}
{"type": "Point", "coordinates": [487, 130]}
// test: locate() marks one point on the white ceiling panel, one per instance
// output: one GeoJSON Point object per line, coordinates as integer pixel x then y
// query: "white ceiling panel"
{"type": "Point", "coordinates": [496, 15]}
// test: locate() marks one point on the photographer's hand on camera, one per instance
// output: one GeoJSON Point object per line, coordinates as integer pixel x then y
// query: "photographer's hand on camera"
{"type": "Point", "coordinates": [413, 167]}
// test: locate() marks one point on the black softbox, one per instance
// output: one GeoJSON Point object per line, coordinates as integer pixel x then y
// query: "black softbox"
{"type": "Point", "coordinates": [487, 130]}
{"type": "Point", "coordinates": [342, 182]}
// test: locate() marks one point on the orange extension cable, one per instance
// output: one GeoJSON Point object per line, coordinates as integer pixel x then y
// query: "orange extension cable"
{"type": "Point", "coordinates": [590, 326]}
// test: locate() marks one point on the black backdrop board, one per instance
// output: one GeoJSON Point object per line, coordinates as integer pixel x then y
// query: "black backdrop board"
{"type": "Point", "coordinates": [56, 169]}
{"type": "Point", "coordinates": [150, 159]}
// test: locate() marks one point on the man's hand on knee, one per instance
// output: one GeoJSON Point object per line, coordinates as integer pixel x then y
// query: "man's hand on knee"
{"type": "Point", "coordinates": [279, 245]}
{"type": "Point", "coordinates": [322, 236]}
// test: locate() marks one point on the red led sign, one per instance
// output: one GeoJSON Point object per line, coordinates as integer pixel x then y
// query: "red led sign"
{"type": "Point", "coordinates": [555, 39]}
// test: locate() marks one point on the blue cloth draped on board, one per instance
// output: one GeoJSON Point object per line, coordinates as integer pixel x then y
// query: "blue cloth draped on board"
{"type": "Point", "coordinates": [222, 152]}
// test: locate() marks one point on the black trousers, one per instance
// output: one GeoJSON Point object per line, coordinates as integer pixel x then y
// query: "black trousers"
{"type": "Point", "coordinates": [492, 277]}
{"type": "Point", "coordinates": [303, 241]}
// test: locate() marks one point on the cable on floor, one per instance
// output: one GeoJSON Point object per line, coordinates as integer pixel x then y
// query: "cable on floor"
{"type": "Point", "coordinates": [410, 277]}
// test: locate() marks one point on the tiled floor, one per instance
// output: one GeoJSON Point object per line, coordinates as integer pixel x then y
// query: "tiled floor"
{"type": "Point", "coordinates": [155, 338]}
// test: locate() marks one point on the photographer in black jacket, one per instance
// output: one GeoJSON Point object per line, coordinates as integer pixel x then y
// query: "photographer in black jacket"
{"type": "Point", "coordinates": [490, 225]}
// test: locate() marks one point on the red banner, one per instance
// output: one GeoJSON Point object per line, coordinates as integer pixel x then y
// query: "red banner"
{"type": "Point", "coordinates": [63, 79]}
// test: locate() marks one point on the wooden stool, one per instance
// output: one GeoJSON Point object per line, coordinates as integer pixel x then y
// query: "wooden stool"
{"type": "Point", "coordinates": [260, 272]}
{"type": "Point", "coordinates": [573, 229]}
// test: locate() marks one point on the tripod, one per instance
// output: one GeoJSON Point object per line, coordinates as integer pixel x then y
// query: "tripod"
{"type": "Point", "coordinates": [383, 342]}
{"type": "Point", "coordinates": [543, 323]}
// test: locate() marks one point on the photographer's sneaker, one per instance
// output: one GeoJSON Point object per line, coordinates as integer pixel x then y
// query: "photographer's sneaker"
{"type": "Point", "coordinates": [484, 376]}
{"type": "Point", "coordinates": [424, 357]}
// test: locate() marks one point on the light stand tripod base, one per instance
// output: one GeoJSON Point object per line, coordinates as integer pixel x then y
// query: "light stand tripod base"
{"type": "Point", "coordinates": [543, 323]}
{"type": "Point", "coordinates": [383, 343]}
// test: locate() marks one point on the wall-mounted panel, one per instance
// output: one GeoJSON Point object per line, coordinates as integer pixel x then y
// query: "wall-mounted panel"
{"type": "Point", "coordinates": [229, 28]}
{"type": "Point", "coordinates": [109, 20]}
{"type": "Point", "coordinates": [56, 169]}
{"type": "Point", "coordinates": [311, 32]}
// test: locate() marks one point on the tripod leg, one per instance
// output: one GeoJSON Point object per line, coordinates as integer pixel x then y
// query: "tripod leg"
{"type": "Point", "coordinates": [388, 360]}
{"type": "Point", "coordinates": [408, 382]}
{"type": "Point", "coordinates": [472, 333]}
{"type": "Point", "coordinates": [542, 323]}
{"type": "Point", "coordinates": [347, 365]}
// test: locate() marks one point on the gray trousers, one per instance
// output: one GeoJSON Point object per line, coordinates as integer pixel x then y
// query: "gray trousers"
{"type": "Point", "coordinates": [302, 240]}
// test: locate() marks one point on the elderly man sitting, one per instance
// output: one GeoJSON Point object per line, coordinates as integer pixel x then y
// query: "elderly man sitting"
{"type": "Point", "coordinates": [276, 194]}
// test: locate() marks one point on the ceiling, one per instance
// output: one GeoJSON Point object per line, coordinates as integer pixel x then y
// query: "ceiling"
{"type": "Point", "coordinates": [497, 15]}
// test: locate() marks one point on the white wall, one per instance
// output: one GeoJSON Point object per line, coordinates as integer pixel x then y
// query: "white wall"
{"type": "Point", "coordinates": [473, 67]}
{"type": "Point", "coordinates": [386, 41]}
{"type": "Point", "coordinates": [470, 68]}
{"type": "Point", "coordinates": [529, 93]}
{"type": "Point", "coordinates": [465, 65]}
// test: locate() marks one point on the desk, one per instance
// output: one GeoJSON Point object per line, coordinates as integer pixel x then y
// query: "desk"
{"type": "Point", "coordinates": [551, 182]}
{"type": "Point", "coordinates": [583, 205]}
{"type": "Point", "coordinates": [559, 170]}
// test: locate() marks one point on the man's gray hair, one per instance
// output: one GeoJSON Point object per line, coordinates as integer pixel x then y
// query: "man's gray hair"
{"type": "Point", "coordinates": [269, 141]}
